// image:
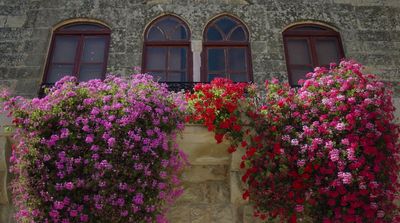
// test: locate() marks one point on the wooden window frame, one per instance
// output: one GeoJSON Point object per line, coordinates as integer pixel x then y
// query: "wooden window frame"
{"type": "Point", "coordinates": [169, 44]}
{"type": "Point", "coordinates": [226, 45]}
{"type": "Point", "coordinates": [310, 36]}
{"type": "Point", "coordinates": [81, 35]}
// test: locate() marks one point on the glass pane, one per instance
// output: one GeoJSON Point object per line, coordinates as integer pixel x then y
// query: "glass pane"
{"type": "Point", "coordinates": [155, 34]}
{"type": "Point", "coordinates": [226, 24]}
{"type": "Point", "coordinates": [158, 76]}
{"type": "Point", "coordinates": [83, 27]}
{"type": "Point", "coordinates": [212, 76]}
{"type": "Point", "coordinates": [56, 72]}
{"type": "Point", "coordinates": [93, 49]}
{"type": "Point", "coordinates": [90, 71]}
{"type": "Point", "coordinates": [213, 34]}
{"type": "Point", "coordinates": [65, 49]}
{"type": "Point", "coordinates": [216, 59]}
{"type": "Point", "coordinates": [238, 35]}
{"type": "Point", "coordinates": [298, 51]}
{"type": "Point", "coordinates": [239, 77]}
{"type": "Point", "coordinates": [156, 57]}
{"type": "Point", "coordinates": [237, 59]}
{"type": "Point", "coordinates": [176, 76]}
{"type": "Point", "coordinates": [172, 29]}
{"type": "Point", "coordinates": [177, 59]}
{"type": "Point", "coordinates": [327, 51]}
{"type": "Point", "coordinates": [179, 33]}
{"type": "Point", "coordinates": [299, 73]}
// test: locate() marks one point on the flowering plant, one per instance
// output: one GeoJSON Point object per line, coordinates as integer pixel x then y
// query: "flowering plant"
{"type": "Point", "coordinates": [97, 151]}
{"type": "Point", "coordinates": [329, 150]}
{"type": "Point", "coordinates": [219, 106]}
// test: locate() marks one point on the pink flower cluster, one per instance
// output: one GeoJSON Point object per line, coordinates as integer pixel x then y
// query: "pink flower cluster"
{"type": "Point", "coordinates": [98, 151]}
{"type": "Point", "coordinates": [327, 150]}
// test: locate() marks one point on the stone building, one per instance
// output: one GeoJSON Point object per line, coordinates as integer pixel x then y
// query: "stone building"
{"type": "Point", "coordinates": [186, 41]}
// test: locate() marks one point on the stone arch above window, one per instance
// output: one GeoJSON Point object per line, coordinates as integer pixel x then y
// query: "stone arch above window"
{"type": "Point", "coordinates": [308, 46]}
{"type": "Point", "coordinates": [79, 49]}
{"type": "Point", "coordinates": [226, 50]}
{"type": "Point", "coordinates": [166, 50]}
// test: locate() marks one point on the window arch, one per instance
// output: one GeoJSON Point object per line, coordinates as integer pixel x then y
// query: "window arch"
{"type": "Point", "coordinates": [226, 50]}
{"type": "Point", "coordinates": [166, 50]}
{"type": "Point", "coordinates": [308, 46]}
{"type": "Point", "coordinates": [79, 49]}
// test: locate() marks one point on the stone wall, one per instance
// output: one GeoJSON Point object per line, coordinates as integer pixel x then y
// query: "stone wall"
{"type": "Point", "coordinates": [370, 30]}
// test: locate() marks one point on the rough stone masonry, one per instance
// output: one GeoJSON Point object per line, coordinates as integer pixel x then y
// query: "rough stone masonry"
{"type": "Point", "coordinates": [370, 32]}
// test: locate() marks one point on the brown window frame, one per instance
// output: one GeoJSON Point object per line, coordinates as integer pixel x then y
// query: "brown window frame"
{"type": "Point", "coordinates": [81, 34]}
{"type": "Point", "coordinates": [226, 45]}
{"type": "Point", "coordinates": [168, 44]}
{"type": "Point", "coordinates": [310, 36]}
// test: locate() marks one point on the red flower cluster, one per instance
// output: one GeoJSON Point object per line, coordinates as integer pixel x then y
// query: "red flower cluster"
{"type": "Point", "coordinates": [216, 105]}
{"type": "Point", "coordinates": [327, 151]}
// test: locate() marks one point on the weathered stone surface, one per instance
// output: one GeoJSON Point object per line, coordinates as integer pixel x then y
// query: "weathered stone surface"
{"type": "Point", "coordinates": [201, 148]}
{"type": "Point", "coordinates": [4, 198]}
{"type": "Point", "coordinates": [196, 173]}
{"type": "Point", "coordinates": [370, 32]}
{"type": "Point", "coordinates": [6, 214]}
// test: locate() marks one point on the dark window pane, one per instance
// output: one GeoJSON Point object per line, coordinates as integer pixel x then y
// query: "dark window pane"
{"type": "Point", "coordinates": [238, 35]}
{"type": "Point", "coordinates": [158, 76]}
{"type": "Point", "coordinates": [156, 58]}
{"type": "Point", "coordinates": [239, 77]}
{"type": "Point", "coordinates": [213, 34]}
{"type": "Point", "coordinates": [237, 59]}
{"type": "Point", "coordinates": [179, 33]}
{"type": "Point", "coordinates": [84, 27]}
{"type": "Point", "coordinates": [56, 72]}
{"type": "Point", "coordinates": [65, 49]}
{"type": "Point", "coordinates": [93, 50]}
{"type": "Point", "coordinates": [177, 59]}
{"type": "Point", "coordinates": [173, 29]}
{"type": "Point", "coordinates": [90, 71]}
{"type": "Point", "coordinates": [327, 51]}
{"type": "Point", "coordinates": [299, 73]}
{"type": "Point", "coordinates": [212, 76]}
{"type": "Point", "coordinates": [298, 51]}
{"type": "Point", "coordinates": [226, 24]}
{"type": "Point", "coordinates": [155, 34]}
{"type": "Point", "coordinates": [176, 76]}
{"type": "Point", "coordinates": [216, 59]}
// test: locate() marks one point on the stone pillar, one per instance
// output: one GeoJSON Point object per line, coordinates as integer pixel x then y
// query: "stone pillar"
{"type": "Point", "coordinates": [5, 152]}
{"type": "Point", "coordinates": [197, 47]}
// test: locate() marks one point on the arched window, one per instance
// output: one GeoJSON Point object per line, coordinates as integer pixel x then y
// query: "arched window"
{"type": "Point", "coordinates": [226, 50]}
{"type": "Point", "coordinates": [166, 51]}
{"type": "Point", "coordinates": [308, 46]}
{"type": "Point", "coordinates": [79, 49]}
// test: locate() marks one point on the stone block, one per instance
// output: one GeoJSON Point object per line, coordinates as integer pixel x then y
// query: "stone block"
{"type": "Point", "coordinates": [6, 214]}
{"type": "Point", "coordinates": [4, 153]}
{"type": "Point", "coordinates": [4, 196]}
{"type": "Point", "coordinates": [179, 214]}
{"type": "Point", "coordinates": [15, 21]}
{"type": "Point", "coordinates": [236, 188]}
{"type": "Point", "coordinates": [193, 193]}
{"type": "Point", "coordinates": [200, 214]}
{"type": "Point", "coordinates": [224, 213]}
{"type": "Point", "coordinates": [196, 173]}
{"type": "Point", "coordinates": [217, 192]}
{"type": "Point", "coordinates": [201, 148]}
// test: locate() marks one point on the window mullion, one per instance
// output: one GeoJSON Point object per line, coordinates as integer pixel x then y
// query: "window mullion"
{"type": "Point", "coordinates": [313, 49]}
{"type": "Point", "coordinates": [78, 56]}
